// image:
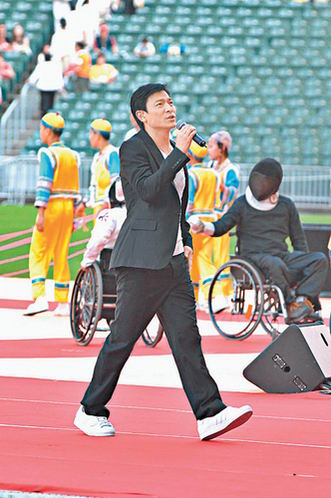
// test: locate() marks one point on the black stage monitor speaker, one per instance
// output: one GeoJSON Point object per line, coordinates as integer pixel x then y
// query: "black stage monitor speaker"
{"type": "Point", "coordinates": [297, 361]}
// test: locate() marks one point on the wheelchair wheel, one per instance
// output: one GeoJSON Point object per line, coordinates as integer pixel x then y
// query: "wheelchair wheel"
{"type": "Point", "coordinates": [86, 304]}
{"type": "Point", "coordinates": [238, 320]}
{"type": "Point", "coordinates": [273, 314]}
{"type": "Point", "coordinates": [153, 333]}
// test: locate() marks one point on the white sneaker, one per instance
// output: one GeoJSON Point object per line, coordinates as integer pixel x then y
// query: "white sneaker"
{"type": "Point", "coordinates": [62, 309]}
{"type": "Point", "coordinates": [103, 325]}
{"type": "Point", "coordinates": [220, 303]}
{"type": "Point", "coordinates": [92, 425]}
{"type": "Point", "coordinates": [224, 421]}
{"type": "Point", "coordinates": [202, 303]}
{"type": "Point", "coordinates": [40, 305]}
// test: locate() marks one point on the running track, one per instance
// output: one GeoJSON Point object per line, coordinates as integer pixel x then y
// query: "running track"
{"type": "Point", "coordinates": [284, 450]}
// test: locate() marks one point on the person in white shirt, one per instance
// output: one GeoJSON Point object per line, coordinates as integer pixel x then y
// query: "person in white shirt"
{"type": "Point", "coordinates": [63, 44]}
{"type": "Point", "coordinates": [144, 48]}
{"type": "Point", "coordinates": [48, 78]}
{"type": "Point", "coordinates": [107, 225]}
{"type": "Point", "coordinates": [88, 21]}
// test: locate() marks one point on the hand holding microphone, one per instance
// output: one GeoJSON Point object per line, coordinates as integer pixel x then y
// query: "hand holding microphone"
{"type": "Point", "coordinates": [196, 138]}
{"type": "Point", "coordinates": [184, 137]}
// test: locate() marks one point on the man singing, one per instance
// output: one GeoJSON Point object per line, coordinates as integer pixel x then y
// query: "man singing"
{"type": "Point", "coordinates": [151, 259]}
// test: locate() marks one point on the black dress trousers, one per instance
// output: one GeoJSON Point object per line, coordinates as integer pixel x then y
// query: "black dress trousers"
{"type": "Point", "coordinates": [141, 293]}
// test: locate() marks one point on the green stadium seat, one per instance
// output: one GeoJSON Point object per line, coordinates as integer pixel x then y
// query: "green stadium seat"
{"type": "Point", "coordinates": [260, 69]}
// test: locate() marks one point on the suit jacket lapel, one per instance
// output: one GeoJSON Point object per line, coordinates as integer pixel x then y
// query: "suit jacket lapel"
{"type": "Point", "coordinates": [158, 158]}
{"type": "Point", "coordinates": [153, 149]}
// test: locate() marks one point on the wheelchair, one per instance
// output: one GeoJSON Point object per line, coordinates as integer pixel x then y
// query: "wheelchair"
{"type": "Point", "coordinates": [94, 297]}
{"type": "Point", "coordinates": [256, 302]}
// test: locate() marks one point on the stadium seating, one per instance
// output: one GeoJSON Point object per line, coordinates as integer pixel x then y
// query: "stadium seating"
{"type": "Point", "coordinates": [261, 70]}
{"type": "Point", "coordinates": [36, 18]}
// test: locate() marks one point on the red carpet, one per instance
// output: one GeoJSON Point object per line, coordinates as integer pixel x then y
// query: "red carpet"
{"type": "Point", "coordinates": [61, 348]}
{"type": "Point", "coordinates": [284, 450]}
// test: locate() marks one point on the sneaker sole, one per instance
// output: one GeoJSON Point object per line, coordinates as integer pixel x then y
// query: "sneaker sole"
{"type": "Point", "coordinates": [35, 312]}
{"type": "Point", "coordinates": [88, 433]}
{"type": "Point", "coordinates": [236, 423]}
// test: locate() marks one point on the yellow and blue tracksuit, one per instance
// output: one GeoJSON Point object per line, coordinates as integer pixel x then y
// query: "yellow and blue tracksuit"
{"type": "Point", "coordinates": [203, 188]}
{"type": "Point", "coordinates": [229, 185]}
{"type": "Point", "coordinates": [57, 192]}
{"type": "Point", "coordinates": [105, 166]}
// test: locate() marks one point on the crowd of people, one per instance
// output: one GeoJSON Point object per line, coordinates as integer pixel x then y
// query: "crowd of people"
{"type": "Point", "coordinates": [76, 55]}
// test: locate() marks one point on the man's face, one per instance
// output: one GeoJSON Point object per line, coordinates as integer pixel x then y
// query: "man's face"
{"type": "Point", "coordinates": [44, 134]}
{"type": "Point", "coordinates": [160, 111]}
{"type": "Point", "coordinates": [214, 151]}
{"type": "Point", "coordinates": [93, 136]}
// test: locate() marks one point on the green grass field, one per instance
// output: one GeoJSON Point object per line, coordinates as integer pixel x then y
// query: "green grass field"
{"type": "Point", "coordinates": [15, 218]}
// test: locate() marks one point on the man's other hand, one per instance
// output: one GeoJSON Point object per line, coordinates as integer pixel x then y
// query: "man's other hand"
{"type": "Point", "coordinates": [188, 253]}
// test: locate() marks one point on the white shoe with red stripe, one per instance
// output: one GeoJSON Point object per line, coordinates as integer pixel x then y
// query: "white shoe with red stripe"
{"type": "Point", "coordinates": [224, 421]}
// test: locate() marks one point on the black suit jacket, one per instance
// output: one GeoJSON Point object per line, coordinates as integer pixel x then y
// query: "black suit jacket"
{"type": "Point", "coordinates": [148, 236]}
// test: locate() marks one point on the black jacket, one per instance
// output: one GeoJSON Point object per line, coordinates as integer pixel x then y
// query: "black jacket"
{"type": "Point", "coordinates": [148, 236]}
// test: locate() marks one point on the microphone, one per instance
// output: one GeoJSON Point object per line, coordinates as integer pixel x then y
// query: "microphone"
{"type": "Point", "coordinates": [197, 138]}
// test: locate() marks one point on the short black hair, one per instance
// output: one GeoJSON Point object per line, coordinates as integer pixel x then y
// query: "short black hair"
{"type": "Point", "coordinates": [140, 96]}
{"type": "Point", "coordinates": [80, 44]}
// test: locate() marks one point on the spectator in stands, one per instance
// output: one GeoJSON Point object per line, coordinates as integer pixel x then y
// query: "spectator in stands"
{"type": "Point", "coordinates": [129, 7]}
{"type": "Point", "coordinates": [88, 21]}
{"type": "Point", "coordinates": [104, 9]}
{"type": "Point", "coordinates": [173, 49]}
{"type": "Point", "coordinates": [57, 198]}
{"type": "Point", "coordinates": [19, 41]}
{"type": "Point", "coordinates": [61, 9]}
{"type": "Point", "coordinates": [6, 70]}
{"type": "Point", "coordinates": [105, 41]}
{"type": "Point", "coordinates": [62, 44]}
{"type": "Point", "coordinates": [219, 146]}
{"type": "Point", "coordinates": [4, 41]}
{"type": "Point", "coordinates": [105, 165]}
{"type": "Point", "coordinates": [46, 50]}
{"type": "Point", "coordinates": [144, 48]}
{"type": "Point", "coordinates": [264, 220]}
{"type": "Point", "coordinates": [48, 78]}
{"type": "Point", "coordinates": [79, 69]}
{"type": "Point", "coordinates": [102, 72]}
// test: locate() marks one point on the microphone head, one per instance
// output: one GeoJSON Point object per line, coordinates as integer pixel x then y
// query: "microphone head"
{"type": "Point", "coordinates": [180, 124]}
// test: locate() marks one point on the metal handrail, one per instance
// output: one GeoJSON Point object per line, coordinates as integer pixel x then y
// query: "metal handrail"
{"type": "Point", "coordinates": [14, 120]}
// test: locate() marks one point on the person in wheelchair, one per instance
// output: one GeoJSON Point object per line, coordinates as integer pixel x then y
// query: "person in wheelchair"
{"type": "Point", "coordinates": [107, 225]}
{"type": "Point", "coordinates": [264, 220]}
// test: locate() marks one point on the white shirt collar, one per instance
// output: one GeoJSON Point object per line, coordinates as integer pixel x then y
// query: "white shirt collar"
{"type": "Point", "coordinates": [259, 205]}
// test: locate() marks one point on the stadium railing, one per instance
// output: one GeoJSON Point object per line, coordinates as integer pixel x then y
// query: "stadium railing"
{"type": "Point", "coordinates": [309, 187]}
{"type": "Point", "coordinates": [17, 117]}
